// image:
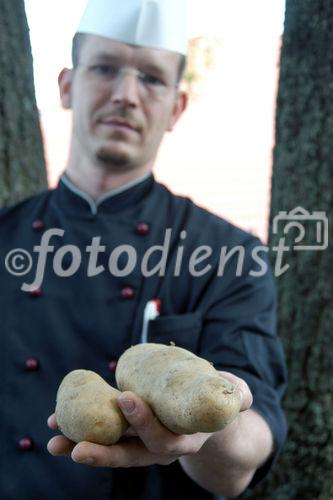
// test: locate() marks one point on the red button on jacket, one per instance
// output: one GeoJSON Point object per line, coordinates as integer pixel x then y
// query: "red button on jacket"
{"type": "Point", "coordinates": [113, 365]}
{"type": "Point", "coordinates": [127, 292]}
{"type": "Point", "coordinates": [25, 443]}
{"type": "Point", "coordinates": [32, 364]}
{"type": "Point", "coordinates": [142, 228]}
{"type": "Point", "coordinates": [38, 225]}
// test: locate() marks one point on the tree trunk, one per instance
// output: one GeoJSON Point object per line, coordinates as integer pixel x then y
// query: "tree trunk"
{"type": "Point", "coordinates": [303, 177]}
{"type": "Point", "coordinates": [22, 166]}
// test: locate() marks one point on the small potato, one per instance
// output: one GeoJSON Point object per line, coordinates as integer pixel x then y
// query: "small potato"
{"type": "Point", "coordinates": [185, 392]}
{"type": "Point", "coordinates": [87, 409]}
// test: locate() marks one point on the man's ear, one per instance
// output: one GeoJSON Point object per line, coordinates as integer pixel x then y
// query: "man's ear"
{"type": "Point", "coordinates": [180, 105]}
{"type": "Point", "coordinates": [65, 80]}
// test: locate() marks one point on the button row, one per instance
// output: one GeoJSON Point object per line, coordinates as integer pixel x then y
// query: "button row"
{"type": "Point", "coordinates": [142, 228]}
{"type": "Point", "coordinates": [32, 364]}
{"type": "Point", "coordinates": [126, 293]}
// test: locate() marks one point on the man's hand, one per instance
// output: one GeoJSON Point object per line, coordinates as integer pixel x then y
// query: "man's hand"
{"type": "Point", "coordinates": [146, 442]}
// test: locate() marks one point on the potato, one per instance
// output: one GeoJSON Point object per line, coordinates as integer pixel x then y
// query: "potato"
{"type": "Point", "coordinates": [87, 409]}
{"type": "Point", "coordinates": [185, 392]}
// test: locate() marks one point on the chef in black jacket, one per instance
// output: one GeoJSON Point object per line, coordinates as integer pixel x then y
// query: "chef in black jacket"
{"type": "Point", "coordinates": [80, 263]}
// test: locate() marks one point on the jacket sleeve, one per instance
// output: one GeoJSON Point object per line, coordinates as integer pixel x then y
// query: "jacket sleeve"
{"type": "Point", "coordinates": [239, 336]}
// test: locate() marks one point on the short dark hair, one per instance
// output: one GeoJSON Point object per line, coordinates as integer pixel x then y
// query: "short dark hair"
{"type": "Point", "coordinates": [76, 47]}
{"type": "Point", "coordinates": [181, 67]}
{"type": "Point", "coordinates": [78, 41]}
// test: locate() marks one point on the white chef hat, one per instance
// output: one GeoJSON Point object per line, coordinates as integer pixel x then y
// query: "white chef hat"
{"type": "Point", "coordinates": [159, 24]}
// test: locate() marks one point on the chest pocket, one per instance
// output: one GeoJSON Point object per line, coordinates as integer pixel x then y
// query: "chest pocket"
{"type": "Point", "coordinates": [182, 329]}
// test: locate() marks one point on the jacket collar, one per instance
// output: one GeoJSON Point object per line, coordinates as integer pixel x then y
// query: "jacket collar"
{"type": "Point", "coordinates": [76, 201]}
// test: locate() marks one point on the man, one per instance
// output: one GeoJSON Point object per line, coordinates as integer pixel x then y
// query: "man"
{"type": "Point", "coordinates": [124, 95]}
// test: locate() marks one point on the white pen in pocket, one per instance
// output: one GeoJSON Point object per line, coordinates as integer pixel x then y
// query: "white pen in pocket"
{"type": "Point", "coordinates": [152, 311]}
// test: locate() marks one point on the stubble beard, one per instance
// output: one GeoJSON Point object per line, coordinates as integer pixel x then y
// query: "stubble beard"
{"type": "Point", "coordinates": [115, 161]}
{"type": "Point", "coordinates": [112, 159]}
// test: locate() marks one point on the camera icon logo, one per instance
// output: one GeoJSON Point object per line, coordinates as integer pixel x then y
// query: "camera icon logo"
{"type": "Point", "coordinates": [296, 219]}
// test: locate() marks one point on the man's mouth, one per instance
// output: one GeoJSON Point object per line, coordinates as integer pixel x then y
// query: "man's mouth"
{"type": "Point", "coordinates": [120, 124]}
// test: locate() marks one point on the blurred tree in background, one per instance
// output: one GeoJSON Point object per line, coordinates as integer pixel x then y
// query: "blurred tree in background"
{"type": "Point", "coordinates": [22, 166]}
{"type": "Point", "coordinates": [303, 177]}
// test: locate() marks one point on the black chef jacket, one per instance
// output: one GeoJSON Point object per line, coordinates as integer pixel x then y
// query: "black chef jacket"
{"type": "Point", "coordinates": [87, 322]}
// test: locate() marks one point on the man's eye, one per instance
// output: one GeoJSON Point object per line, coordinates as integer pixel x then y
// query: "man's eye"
{"type": "Point", "coordinates": [150, 79]}
{"type": "Point", "coordinates": [104, 69]}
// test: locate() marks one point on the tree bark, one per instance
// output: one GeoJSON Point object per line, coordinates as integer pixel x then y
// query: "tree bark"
{"type": "Point", "coordinates": [22, 166]}
{"type": "Point", "coordinates": [303, 176]}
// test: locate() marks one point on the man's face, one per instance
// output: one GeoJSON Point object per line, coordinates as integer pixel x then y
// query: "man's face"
{"type": "Point", "coordinates": [123, 99]}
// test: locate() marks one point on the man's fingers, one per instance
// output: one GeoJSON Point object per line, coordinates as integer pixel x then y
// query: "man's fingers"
{"type": "Point", "coordinates": [127, 454]}
{"type": "Point", "coordinates": [130, 433]}
{"type": "Point", "coordinates": [157, 438]}
{"type": "Point", "coordinates": [142, 420]}
{"type": "Point", "coordinates": [52, 422]}
{"type": "Point", "coordinates": [60, 445]}
{"type": "Point", "coordinates": [246, 394]}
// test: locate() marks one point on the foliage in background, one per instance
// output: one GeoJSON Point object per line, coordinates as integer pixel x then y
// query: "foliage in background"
{"type": "Point", "coordinates": [201, 59]}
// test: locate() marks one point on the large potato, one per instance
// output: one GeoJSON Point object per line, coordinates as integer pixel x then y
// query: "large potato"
{"type": "Point", "coordinates": [185, 392]}
{"type": "Point", "coordinates": [87, 409]}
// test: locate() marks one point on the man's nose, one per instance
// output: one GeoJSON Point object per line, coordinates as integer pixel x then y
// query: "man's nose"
{"type": "Point", "coordinates": [125, 88]}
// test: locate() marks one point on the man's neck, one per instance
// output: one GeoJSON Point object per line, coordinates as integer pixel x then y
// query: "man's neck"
{"type": "Point", "coordinates": [96, 181]}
